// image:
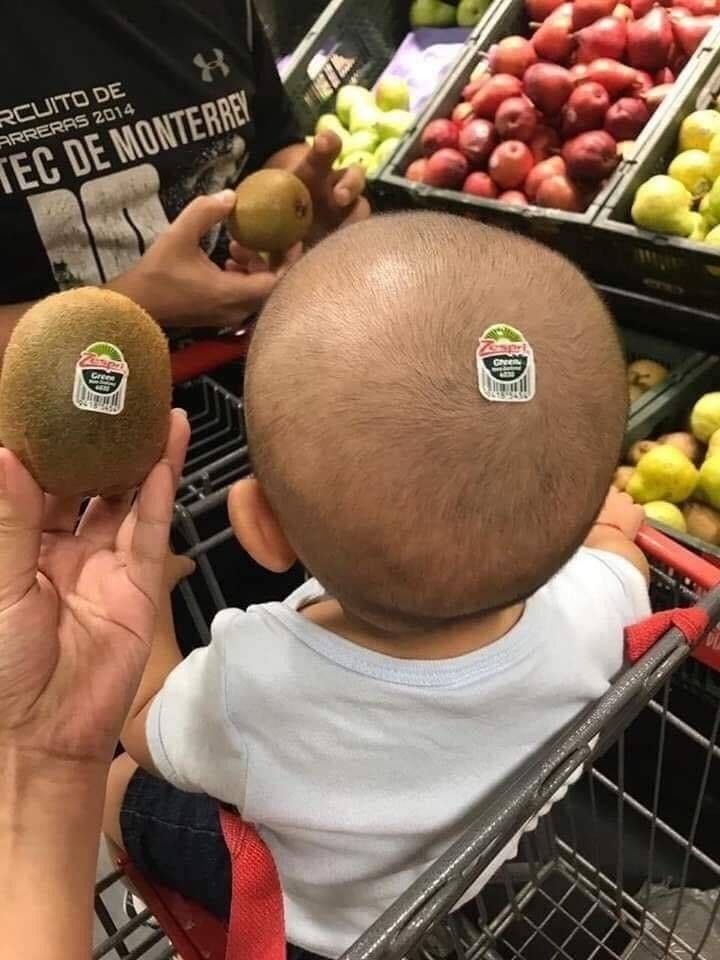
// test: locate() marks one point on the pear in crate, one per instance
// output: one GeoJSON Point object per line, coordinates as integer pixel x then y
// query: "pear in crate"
{"type": "Point", "coordinates": [663, 204]}
{"type": "Point", "coordinates": [664, 473]}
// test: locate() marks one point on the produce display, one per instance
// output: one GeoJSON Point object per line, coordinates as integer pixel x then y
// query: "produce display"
{"type": "Point", "coordinates": [369, 124]}
{"type": "Point", "coordinates": [685, 201]}
{"type": "Point", "coordinates": [436, 13]}
{"type": "Point", "coordinates": [545, 118]}
{"type": "Point", "coordinates": [676, 476]}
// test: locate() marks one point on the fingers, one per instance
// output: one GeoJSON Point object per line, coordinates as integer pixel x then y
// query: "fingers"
{"type": "Point", "coordinates": [21, 517]}
{"type": "Point", "coordinates": [249, 261]}
{"type": "Point", "coordinates": [245, 293]}
{"type": "Point", "coordinates": [349, 187]}
{"type": "Point", "coordinates": [319, 159]}
{"type": "Point", "coordinates": [177, 567]}
{"type": "Point", "coordinates": [177, 443]}
{"type": "Point", "coordinates": [145, 560]}
{"type": "Point", "coordinates": [200, 215]}
{"type": "Point", "coordinates": [61, 514]}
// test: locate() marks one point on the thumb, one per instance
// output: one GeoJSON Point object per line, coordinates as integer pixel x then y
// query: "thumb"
{"type": "Point", "coordinates": [177, 567]}
{"type": "Point", "coordinates": [21, 514]}
{"type": "Point", "coordinates": [201, 215]}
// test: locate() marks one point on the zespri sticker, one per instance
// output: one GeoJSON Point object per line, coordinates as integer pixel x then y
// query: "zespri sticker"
{"type": "Point", "coordinates": [101, 376]}
{"type": "Point", "coordinates": [505, 365]}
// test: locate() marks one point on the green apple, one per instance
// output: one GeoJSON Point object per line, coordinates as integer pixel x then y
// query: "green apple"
{"type": "Point", "coordinates": [392, 93]}
{"type": "Point", "coordinates": [714, 155]}
{"type": "Point", "coordinates": [386, 149]}
{"type": "Point", "coordinates": [710, 205]}
{"type": "Point", "coordinates": [469, 12]}
{"type": "Point", "coordinates": [663, 204]}
{"type": "Point", "coordinates": [365, 140]}
{"type": "Point", "coordinates": [361, 158]}
{"type": "Point", "coordinates": [347, 96]}
{"type": "Point", "coordinates": [708, 216]}
{"type": "Point", "coordinates": [432, 13]}
{"type": "Point", "coordinates": [698, 129]}
{"type": "Point", "coordinates": [700, 227]}
{"type": "Point", "coordinates": [365, 116]}
{"type": "Point", "coordinates": [394, 123]}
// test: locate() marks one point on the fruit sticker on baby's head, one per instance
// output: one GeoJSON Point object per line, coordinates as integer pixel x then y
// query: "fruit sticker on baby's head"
{"type": "Point", "coordinates": [413, 498]}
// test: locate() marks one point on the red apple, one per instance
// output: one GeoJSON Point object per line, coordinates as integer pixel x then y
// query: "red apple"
{"type": "Point", "coordinates": [477, 141]}
{"type": "Point", "coordinates": [548, 168]}
{"type": "Point", "coordinates": [586, 12]}
{"type": "Point", "coordinates": [516, 119]}
{"type": "Point", "coordinates": [416, 170]}
{"type": "Point", "coordinates": [604, 38]}
{"type": "Point", "coordinates": [579, 72]}
{"type": "Point", "coordinates": [585, 109]}
{"type": "Point", "coordinates": [554, 39]}
{"type": "Point", "coordinates": [510, 163]}
{"type": "Point", "coordinates": [641, 7]}
{"type": "Point", "coordinates": [616, 77]}
{"type": "Point", "coordinates": [515, 198]}
{"type": "Point", "coordinates": [662, 76]}
{"type": "Point", "coordinates": [678, 13]}
{"type": "Point", "coordinates": [439, 134]}
{"type": "Point", "coordinates": [538, 10]}
{"type": "Point", "coordinates": [491, 95]}
{"type": "Point", "coordinates": [480, 185]}
{"type": "Point", "coordinates": [462, 113]}
{"type": "Point", "coordinates": [470, 89]}
{"type": "Point", "coordinates": [644, 83]}
{"type": "Point", "coordinates": [447, 168]}
{"type": "Point", "coordinates": [626, 118]}
{"type": "Point", "coordinates": [699, 8]}
{"type": "Point", "coordinates": [690, 32]}
{"type": "Point", "coordinates": [558, 193]}
{"type": "Point", "coordinates": [590, 156]}
{"type": "Point", "coordinates": [544, 143]}
{"type": "Point", "coordinates": [548, 85]}
{"type": "Point", "coordinates": [623, 12]}
{"type": "Point", "coordinates": [512, 55]}
{"type": "Point", "coordinates": [649, 40]}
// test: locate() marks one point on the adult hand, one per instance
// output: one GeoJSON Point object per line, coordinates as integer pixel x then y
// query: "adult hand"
{"type": "Point", "coordinates": [179, 285]}
{"type": "Point", "coordinates": [77, 610]}
{"type": "Point", "coordinates": [336, 194]}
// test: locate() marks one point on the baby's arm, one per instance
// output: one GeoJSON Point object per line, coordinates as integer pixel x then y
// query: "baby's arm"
{"type": "Point", "coordinates": [164, 657]}
{"type": "Point", "coordinates": [615, 530]}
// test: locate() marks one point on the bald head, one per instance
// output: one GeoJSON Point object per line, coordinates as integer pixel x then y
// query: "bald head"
{"type": "Point", "coordinates": [411, 497]}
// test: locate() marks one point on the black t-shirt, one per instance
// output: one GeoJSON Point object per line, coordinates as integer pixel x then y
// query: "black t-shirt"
{"type": "Point", "coordinates": [114, 114]}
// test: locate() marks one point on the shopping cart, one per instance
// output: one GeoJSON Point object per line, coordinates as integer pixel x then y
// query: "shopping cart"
{"type": "Point", "coordinates": [614, 867]}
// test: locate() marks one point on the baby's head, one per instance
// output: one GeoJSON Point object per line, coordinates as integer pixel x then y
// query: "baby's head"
{"type": "Point", "coordinates": [380, 464]}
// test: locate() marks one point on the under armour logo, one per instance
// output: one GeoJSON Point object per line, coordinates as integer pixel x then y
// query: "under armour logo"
{"type": "Point", "coordinates": [206, 67]}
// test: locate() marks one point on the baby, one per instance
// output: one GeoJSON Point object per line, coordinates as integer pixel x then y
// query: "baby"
{"type": "Point", "coordinates": [435, 409]}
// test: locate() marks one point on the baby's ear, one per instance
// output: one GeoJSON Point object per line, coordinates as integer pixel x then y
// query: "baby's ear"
{"type": "Point", "coordinates": [255, 525]}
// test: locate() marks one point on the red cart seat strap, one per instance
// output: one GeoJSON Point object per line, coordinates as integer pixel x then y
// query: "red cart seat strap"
{"type": "Point", "coordinates": [692, 622]}
{"type": "Point", "coordinates": [256, 930]}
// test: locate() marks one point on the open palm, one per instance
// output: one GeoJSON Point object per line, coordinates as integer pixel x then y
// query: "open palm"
{"type": "Point", "coordinates": [77, 607]}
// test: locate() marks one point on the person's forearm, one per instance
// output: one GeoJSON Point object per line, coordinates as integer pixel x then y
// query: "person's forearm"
{"type": "Point", "coordinates": [50, 817]}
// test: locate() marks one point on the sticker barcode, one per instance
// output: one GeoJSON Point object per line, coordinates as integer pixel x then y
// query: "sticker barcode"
{"type": "Point", "coordinates": [85, 399]}
{"type": "Point", "coordinates": [511, 391]}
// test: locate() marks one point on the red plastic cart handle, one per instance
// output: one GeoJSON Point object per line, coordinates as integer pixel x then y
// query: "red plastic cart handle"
{"type": "Point", "coordinates": [207, 355]}
{"type": "Point", "coordinates": [657, 546]}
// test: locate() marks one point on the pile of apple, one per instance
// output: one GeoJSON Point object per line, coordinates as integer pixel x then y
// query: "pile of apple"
{"type": "Point", "coordinates": [544, 120]}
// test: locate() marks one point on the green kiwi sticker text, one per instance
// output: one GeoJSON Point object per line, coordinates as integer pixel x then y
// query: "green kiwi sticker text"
{"type": "Point", "coordinates": [101, 376]}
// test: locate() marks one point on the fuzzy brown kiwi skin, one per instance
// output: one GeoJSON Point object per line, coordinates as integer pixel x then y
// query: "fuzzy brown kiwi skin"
{"type": "Point", "coordinates": [73, 452]}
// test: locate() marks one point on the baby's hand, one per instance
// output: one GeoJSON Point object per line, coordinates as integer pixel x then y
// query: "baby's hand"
{"type": "Point", "coordinates": [177, 567]}
{"type": "Point", "coordinates": [620, 512]}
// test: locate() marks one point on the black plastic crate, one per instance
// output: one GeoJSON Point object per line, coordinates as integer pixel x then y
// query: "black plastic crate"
{"type": "Point", "coordinates": [570, 233]}
{"type": "Point", "coordinates": [285, 24]}
{"type": "Point", "coordinates": [352, 41]}
{"type": "Point", "coordinates": [672, 267]}
{"type": "Point", "coordinates": [683, 363]}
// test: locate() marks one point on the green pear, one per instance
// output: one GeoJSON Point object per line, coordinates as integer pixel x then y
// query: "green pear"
{"type": "Point", "coordinates": [432, 13]}
{"type": "Point", "coordinates": [709, 484]}
{"type": "Point", "coordinates": [361, 158]}
{"type": "Point", "coordinates": [386, 149]}
{"type": "Point", "coordinates": [664, 473]}
{"type": "Point", "coordinates": [347, 96]}
{"type": "Point", "coordinates": [710, 207]}
{"type": "Point", "coordinates": [394, 123]}
{"type": "Point", "coordinates": [700, 228]}
{"type": "Point", "coordinates": [692, 169]}
{"type": "Point", "coordinates": [698, 129]}
{"type": "Point", "coordinates": [365, 140]}
{"type": "Point", "coordinates": [365, 116]}
{"type": "Point", "coordinates": [713, 151]}
{"type": "Point", "coordinates": [469, 12]}
{"type": "Point", "coordinates": [705, 416]}
{"type": "Point", "coordinates": [392, 93]}
{"type": "Point", "coordinates": [707, 214]}
{"type": "Point", "coordinates": [663, 204]}
{"type": "Point", "coordinates": [666, 513]}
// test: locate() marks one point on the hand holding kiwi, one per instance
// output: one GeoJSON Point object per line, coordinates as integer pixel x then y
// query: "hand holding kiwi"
{"type": "Point", "coordinates": [273, 211]}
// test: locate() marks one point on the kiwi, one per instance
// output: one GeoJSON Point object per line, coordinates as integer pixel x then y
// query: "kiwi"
{"type": "Point", "coordinates": [273, 211]}
{"type": "Point", "coordinates": [646, 374]}
{"type": "Point", "coordinates": [702, 522]}
{"type": "Point", "coordinates": [85, 393]}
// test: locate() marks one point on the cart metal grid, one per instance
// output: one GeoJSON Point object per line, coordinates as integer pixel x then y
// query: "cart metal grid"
{"type": "Point", "coordinates": [577, 889]}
